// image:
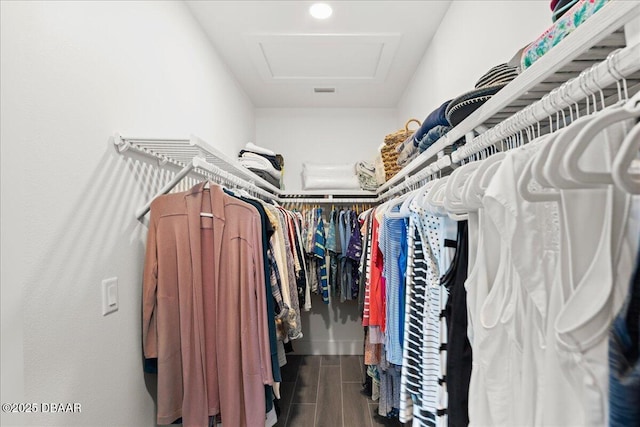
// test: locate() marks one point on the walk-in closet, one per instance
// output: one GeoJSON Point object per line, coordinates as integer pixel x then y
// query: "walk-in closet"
{"type": "Point", "coordinates": [320, 213]}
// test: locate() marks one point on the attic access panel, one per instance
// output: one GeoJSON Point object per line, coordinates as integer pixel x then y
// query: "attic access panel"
{"type": "Point", "coordinates": [323, 57]}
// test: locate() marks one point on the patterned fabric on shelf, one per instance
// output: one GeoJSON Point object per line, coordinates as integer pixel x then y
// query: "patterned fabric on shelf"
{"type": "Point", "coordinates": [573, 18]}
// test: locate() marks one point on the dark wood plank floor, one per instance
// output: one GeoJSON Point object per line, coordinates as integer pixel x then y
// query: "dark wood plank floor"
{"type": "Point", "coordinates": [324, 391]}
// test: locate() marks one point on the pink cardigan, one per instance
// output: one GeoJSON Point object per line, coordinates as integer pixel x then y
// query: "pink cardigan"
{"type": "Point", "coordinates": [210, 337]}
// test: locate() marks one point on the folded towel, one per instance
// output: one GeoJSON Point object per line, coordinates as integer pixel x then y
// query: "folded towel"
{"type": "Point", "coordinates": [256, 149]}
{"type": "Point", "coordinates": [277, 161]}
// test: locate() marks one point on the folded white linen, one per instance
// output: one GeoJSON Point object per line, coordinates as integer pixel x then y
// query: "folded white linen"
{"type": "Point", "coordinates": [253, 147]}
{"type": "Point", "coordinates": [317, 182]}
{"type": "Point", "coordinates": [344, 169]}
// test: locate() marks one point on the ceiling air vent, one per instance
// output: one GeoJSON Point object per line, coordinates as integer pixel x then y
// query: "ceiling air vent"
{"type": "Point", "coordinates": [324, 90]}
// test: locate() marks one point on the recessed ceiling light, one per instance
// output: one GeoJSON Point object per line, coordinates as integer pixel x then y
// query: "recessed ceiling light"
{"type": "Point", "coordinates": [320, 10]}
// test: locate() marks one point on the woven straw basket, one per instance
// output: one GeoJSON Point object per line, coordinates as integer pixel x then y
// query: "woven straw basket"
{"type": "Point", "coordinates": [389, 153]}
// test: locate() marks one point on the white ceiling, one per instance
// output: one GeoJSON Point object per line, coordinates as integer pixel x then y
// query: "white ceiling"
{"type": "Point", "coordinates": [367, 50]}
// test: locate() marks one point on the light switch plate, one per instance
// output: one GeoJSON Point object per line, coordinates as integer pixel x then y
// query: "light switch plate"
{"type": "Point", "coordinates": [109, 295]}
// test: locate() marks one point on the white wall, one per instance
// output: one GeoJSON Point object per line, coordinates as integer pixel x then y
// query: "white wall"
{"type": "Point", "coordinates": [335, 328]}
{"type": "Point", "coordinates": [72, 74]}
{"type": "Point", "coordinates": [473, 37]}
{"type": "Point", "coordinates": [322, 135]}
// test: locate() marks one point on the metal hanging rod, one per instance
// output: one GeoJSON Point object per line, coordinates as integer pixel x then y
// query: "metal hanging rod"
{"type": "Point", "coordinates": [330, 201]}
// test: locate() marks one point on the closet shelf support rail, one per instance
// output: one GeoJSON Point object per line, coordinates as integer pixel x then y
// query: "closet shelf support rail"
{"type": "Point", "coordinates": [191, 155]}
{"type": "Point", "coordinates": [140, 213]}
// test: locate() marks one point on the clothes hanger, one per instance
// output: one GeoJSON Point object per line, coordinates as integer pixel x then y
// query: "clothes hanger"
{"type": "Point", "coordinates": [422, 191]}
{"type": "Point", "coordinates": [628, 153]}
{"type": "Point", "coordinates": [615, 114]}
{"type": "Point", "coordinates": [547, 170]}
{"type": "Point", "coordinates": [609, 115]}
{"type": "Point", "coordinates": [527, 176]}
{"type": "Point", "coordinates": [478, 182]}
{"type": "Point", "coordinates": [394, 204]}
{"type": "Point", "coordinates": [473, 191]}
{"type": "Point", "coordinates": [405, 210]}
{"type": "Point", "coordinates": [540, 165]}
{"type": "Point", "coordinates": [434, 199]}
{"type": "Point", "coordinates": [453, 191]}
{"type": "Point", "coordinates": [206, 186]}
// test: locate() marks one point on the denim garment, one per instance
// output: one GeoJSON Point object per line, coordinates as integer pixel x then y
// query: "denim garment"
{"type": "Point", "coordinates": [436, 118]}
{"type": "Point", "coordinates": [432, 136]}
{"type": "Point", "coordinates": [624, 360]}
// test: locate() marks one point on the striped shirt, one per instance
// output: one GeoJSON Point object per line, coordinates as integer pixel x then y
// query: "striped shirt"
{"type": "Point", "coordinates": [391, 246]}
{"type": "Point", "coordinates": [406, 404]}
{"type": "Point", "coordinates": [413, 337]}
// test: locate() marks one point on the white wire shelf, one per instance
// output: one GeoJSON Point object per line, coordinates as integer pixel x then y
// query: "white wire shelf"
{"type": "Point", "coordinates": [181, 151]}
{"type": "Point", "coordinates": [589, 44]}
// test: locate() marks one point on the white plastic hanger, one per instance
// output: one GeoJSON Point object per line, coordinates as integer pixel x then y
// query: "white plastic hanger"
{"type": "Point", "coordinates": [453, 191]}
{"type": "Point", "coordinates": [421, 196]}
{"type": "Point", "coordinates": [207, 186]}
{"type": "Point", "coordinates": [398, 201]}
{"type": "Point", "coordinates": [548, 169]}
{"type": "Point", "coordinates": [478, 182]}
{"type": "Point", "coordinates": [629, 110]}
{"type": "Point", "coordinates": [405, 210]}
{"type": "Point", "coordinates": [628, 153]}
{"type": "Point", "coordinates": [527, 176]}
{"type": "Point", "coordinates": [434, 200]}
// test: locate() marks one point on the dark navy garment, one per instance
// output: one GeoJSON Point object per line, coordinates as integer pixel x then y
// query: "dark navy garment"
{"type": "Point", "coordinates": [437, 117]}
{"type": "Point", "coordinates": [624, 360]}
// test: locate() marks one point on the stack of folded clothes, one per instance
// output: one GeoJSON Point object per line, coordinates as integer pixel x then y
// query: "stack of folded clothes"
{"type": "Point", "coordinates": [488, 85]}
{"type": "Point", "coordinates": [367, 176]}
{"type": "Point", "coordinates": [434, 126]}
{"type": "Point", "coordinates": [406, 152]}
{"type": "Point", "coordinates": [263, 162]}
